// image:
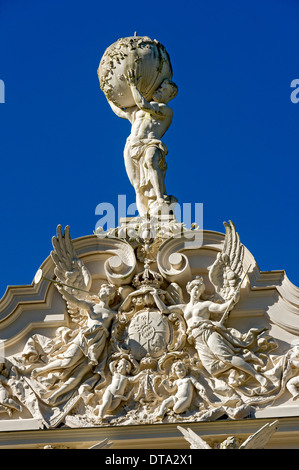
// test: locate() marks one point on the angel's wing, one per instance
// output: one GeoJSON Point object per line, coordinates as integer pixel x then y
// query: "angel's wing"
{"type": "Point", "coordinates": [70, 270]}
{"type": "Point", "coordinates": [196, 441]}
{"type": "Point", "coordinates": [225, 273]}
{"type": "Point", "coordinates": [261, 437]}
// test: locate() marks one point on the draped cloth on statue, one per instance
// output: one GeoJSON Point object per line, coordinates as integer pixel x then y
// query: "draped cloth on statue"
{"type": "Point", "coordinates": [216, 345]}
{"type": "Point", "coordinates": [40, 351]}
{"type": "Point", "coordinates": [228, 389]}
{"type": "Point", "coordinates": [136, 165]}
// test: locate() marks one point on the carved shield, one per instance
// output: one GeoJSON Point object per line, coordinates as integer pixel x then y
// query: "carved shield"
{"type": "Point", "coordinates": [149, 333]}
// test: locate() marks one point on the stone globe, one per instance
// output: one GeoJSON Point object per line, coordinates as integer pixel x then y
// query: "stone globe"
{"type": "Point", "coordinates": [148, 59]}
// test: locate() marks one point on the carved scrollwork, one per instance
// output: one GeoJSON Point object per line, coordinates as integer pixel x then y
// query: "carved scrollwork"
{"type": "Point", "coordinates": [120, 267]}
{"type": "Point", "coordinates": [172, 264]}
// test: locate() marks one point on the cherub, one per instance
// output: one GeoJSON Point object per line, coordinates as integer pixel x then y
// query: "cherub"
{"type": "Point", "coordinates": [184, 386]}
{"type": "Point", "coordinates": [115, 392]}
{"type": "Point", "coordinates": [217, 348]}
{"type": "Point", "coordinates": [144, 152]}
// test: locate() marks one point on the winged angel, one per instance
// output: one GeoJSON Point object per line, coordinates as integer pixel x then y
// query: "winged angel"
{"type": "Point", "coordinates": [257, 440]}
{"type": "Point", "coordinates": [80, 348]}
{"type": "Point", "coordinates": [221, 349]}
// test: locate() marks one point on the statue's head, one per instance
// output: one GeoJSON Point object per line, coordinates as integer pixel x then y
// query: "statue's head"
{"type": "Point", "coordinates": [165, 92]}
{"type": "Point", "coordinates": [124, 366]}
{"type": "Point", "coordinates": [107, 292]}
{"type": "Point", "coordinates": [179, 369]}
{"type": "Point", "coordinates": [196, 287]}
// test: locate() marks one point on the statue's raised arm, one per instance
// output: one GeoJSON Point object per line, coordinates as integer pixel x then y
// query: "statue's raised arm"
{"type": "Point", "coordinates": [158, 104]}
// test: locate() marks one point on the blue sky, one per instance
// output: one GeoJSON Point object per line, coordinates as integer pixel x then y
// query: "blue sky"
{"type": "Point", "coordinates": [233, 143]}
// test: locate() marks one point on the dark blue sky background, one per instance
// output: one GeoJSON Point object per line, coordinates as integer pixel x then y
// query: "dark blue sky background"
{"type": "Point", "coordinates": [233, 143]}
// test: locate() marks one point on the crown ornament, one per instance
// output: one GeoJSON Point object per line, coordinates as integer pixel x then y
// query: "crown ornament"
{"type": "Point", "coordinates": [147, 278]}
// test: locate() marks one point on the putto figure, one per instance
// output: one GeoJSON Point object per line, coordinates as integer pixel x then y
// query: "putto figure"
{"type": "Point", "coordinates": [115, 392]}
{"type": "Point", "coordinates": [183, 387]}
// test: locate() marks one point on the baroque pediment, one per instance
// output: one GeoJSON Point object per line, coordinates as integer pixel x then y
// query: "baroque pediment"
{"type": "Point", "coordinates": [133, 327]}
{"type": "Point", "coordinates": [270, 292]}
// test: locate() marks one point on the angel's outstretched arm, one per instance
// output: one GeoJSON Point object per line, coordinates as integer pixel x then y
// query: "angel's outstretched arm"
{"type": "Point", "coordinates": [162, 307]}
{"type": "Point", "coordinates": [72, 299]}
{"type": "Point", "coordinates": [218, 308]}
{"type": "Point", "coordinates": [221, 308]}
{"type": "Point", "coordinates": [176, 308]}
{"type": "Point", "coordinates": [126, 304]}
{"type": "Point", "coordinates": [160, 304]}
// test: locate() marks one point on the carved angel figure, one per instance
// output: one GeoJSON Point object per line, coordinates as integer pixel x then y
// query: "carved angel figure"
{"type": "Point", "coordinates": [84, 346]}
{"type": "Point", "coordinates": [219, 348]}
{"type": "Point", "coordinates": [77, 350]}
{"type": "Point", "coordinates": [257, 440]}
